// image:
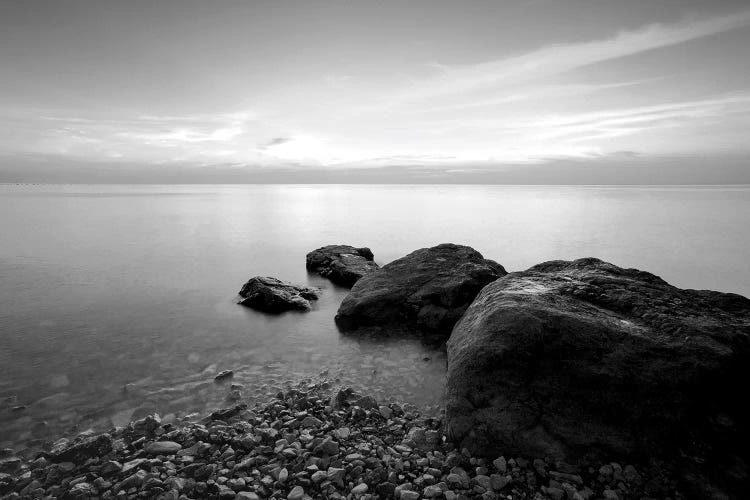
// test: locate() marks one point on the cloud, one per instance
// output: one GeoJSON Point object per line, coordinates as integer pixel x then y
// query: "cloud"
{"type": "Point", "coordinates": [521, 109]}
{"type": "Point", "coordinates": [276, 141]}
{"type": "Point", "coordinates": [559, 58]}
{"type": "Point", "coordinates": [618, 122]}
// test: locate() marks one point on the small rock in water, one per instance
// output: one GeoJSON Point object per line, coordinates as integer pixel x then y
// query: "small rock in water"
{"type": "Point", "coordinates": [275, 296]}
{"type": "Point", "coordinates": [224, 375]}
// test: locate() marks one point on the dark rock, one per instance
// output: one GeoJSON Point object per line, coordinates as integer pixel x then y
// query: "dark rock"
{"type": "Point", "coordinates": [227, 413]}
{"type": "Point", "coordinates": [223, 375]}
{"type": "Point", "coordinates": [275, 296]}
{"type": "Point", "coordinates": [10, 464]}
{"type": "Point", "coordinates": [342, 264]}
{"type": "Point", "coordinates": [427, 290]}
{"type": "Point", "coordinates": [81, 449]}
{"type": "Point", "coordinates": [583, 358]}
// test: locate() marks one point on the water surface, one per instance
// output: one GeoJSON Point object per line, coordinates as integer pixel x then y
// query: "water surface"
{"type": "Point", "coordinates": [105, 287]}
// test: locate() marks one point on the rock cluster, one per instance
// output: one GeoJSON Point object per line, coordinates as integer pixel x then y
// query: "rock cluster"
{"type": "Point", "coordinates": [585, 359]}
{"type": "Point", "coordinates": [342, 264]}
{"type": "Point", "coordinates": [305, 445]}
{"type": "Point", "coordinates": [275, 296]}
{"type": "Point", "coordinates": [427, 291]}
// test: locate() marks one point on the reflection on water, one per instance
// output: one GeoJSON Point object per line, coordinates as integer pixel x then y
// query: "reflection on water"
{"type": "Point", "coordinates": [119, 300]}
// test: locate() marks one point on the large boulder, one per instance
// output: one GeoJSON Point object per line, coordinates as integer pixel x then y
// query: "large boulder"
{"type": "Point", "coordinates": [427, 290]}
{"type": "Point", "coordinates": [342, 264]}
{"type": "Point", "coordinates": [585, 359]}
{"type": "Point", "coordinates": [275, 296]}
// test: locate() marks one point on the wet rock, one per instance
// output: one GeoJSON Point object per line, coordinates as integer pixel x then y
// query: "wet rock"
{"type": "Point", "coordinates": [223, 375]}
{"type": "Point", "coordinates": [342, 264]}
{"type": "Point", "coordinates": [147, 425]}
{"type": "Point", "coordinates": [10, 464]}
{"type": "Point", "coordinates": [354, 453]}
{"type": "Point", "coordinates": [275, 296]}
{"type": "Point", "coordinates": [583, 358]}
{"type": "Point", "coordinates": [427, 290]}
{"type": "Point", "coordinates": [81, 449]}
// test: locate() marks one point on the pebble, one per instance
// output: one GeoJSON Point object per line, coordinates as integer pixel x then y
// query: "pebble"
{"type": "Point", "coordinates": [360, 489]}
{"type": "Point", "coordinates": [297, 493]}
{"type": "Point", "coordinates": [299, 447]}
{"type": "Point", "coordinates": [162, 448]}
{"type": "Point", "coordinates": [409, 495]}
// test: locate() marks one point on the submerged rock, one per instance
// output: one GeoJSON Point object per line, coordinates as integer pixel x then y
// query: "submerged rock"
{"type": "Point", "coordinates": [223, 375]}
{"type": "Point", "coordinates": [275, 296]}
{"type": "Point", "coordinates": [569, 359]}
{"type": "Point", "coordinates": [342, 264]}
{"type": "Point", "coordinates": [427, 290]}
{"type": "Point", "coordinates": [267, 452]}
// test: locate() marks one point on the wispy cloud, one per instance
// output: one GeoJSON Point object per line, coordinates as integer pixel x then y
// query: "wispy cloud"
{"type": "Point", "coordinates": [560, 58]}
{"type": "Point", "coordinates": [276, 141]}
{"type": "Point", "coordinates": [522, 108]}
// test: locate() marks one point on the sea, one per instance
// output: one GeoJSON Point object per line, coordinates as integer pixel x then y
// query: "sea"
{"type": "Point", "coordinates": [117, 301]}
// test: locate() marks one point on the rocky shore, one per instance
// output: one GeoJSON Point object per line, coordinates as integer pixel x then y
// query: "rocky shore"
{"type": "Point", "coordinates": [572, 380]}
{"type": "Point", "coordinates": [309, 442]}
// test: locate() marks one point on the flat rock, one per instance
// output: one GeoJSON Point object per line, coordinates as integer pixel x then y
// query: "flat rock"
{"type": "Point", "coordinates": [81, 449]}
{"type": "Point", "coordinates": [580, 358]}
{"type": "Point", "coordinates": [275, 296]}
{"type": "Point", "coordinates": [342, 264]}
{"type": "Point", "coordinates": [427, 290]}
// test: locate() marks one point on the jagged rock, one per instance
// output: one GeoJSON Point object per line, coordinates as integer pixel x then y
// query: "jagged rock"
{"type": "Point", "coordinates": [427, 290]}
{"type": "Point", "coordinates": [583, 358]}
{"type": "Point", "coordinates": [81, 449]}
{"type": "Point", "coordinates": [274, 296]}
{"type": "Point", "coordinates": [342, 264]}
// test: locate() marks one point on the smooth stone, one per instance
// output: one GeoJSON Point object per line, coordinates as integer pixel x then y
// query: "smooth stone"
{"type": "Point", "coordinates": [162, 448]}
{"type": "Point", "coordinates": [297, 493]}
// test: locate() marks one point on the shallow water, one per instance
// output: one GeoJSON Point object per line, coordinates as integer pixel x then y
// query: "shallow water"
{"type": "Point", "coordinates": [104, 286]}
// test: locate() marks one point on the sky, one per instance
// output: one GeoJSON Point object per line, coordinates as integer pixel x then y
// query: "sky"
{"type": "Point", "coordinates": [518, 91]}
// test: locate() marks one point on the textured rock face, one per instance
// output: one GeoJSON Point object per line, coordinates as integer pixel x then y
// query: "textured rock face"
{"type": "Point", "coordinates": [342, 264]}
{"type": "Point", "coordinates": [427, 290]}
{"type": "Point", "coordinates": [81, 450]}
{"type": "Point", "coordinates": [275, 296]}
{"type": "Point", "coordinates": [581, 357]}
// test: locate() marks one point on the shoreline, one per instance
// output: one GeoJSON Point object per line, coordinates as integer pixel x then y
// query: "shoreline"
{"type": "Point", "coordinates": [309, 442]}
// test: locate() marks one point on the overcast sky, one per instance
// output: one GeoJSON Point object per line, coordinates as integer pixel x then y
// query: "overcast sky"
{"type": "Point", "coordinates": [548, 91]}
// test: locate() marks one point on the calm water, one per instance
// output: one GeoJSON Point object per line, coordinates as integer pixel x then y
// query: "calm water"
{"type": "Point", "coordinates": [104, 286]}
